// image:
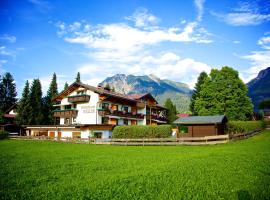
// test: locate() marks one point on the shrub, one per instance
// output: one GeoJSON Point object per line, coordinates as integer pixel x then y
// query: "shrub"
{"type": "Point", "coordinates": [142, 131]}
{"type": "Point", "coordinates": [235, 127]}
{"type": "Point", "coordinates": [3, 135]}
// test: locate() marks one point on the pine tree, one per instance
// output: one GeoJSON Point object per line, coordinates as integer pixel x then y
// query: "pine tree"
{"type": "Point", "coordinates": [48, 104]}
{"type": "Point", "coordinates": [107, 87]}
{"type": "Point", "coordinates": [36, 112]}
{"type": "Point", "coordinates": [24, 107]}
{"type": "Point", "coordinates": [7, 92]}
{"type": "Point", "coordinates": [65, 86]}
{"type": "Point", "coordinates": [196, 92]}
{"type": "Point", "coordinates": [78, 78]}
{"type": "Point", "coordinates": [223, 92]}
{"type": "Point", "coordinates": [171, 111]}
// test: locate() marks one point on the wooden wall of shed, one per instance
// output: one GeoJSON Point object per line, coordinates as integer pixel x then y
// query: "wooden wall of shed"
{"type": "Point", "coordinates": [201, 130]}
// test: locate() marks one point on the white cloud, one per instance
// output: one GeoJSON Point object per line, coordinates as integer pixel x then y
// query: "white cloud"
{"type": "Point", "coordinates": [200, 7]}
{"type": "Point", "coordinates": [248, 13]}
{"type": "Point", "coordinates": [135, 49]}
{"type": "Point", "coordinates": [42, 5]}
{"type": "Point", "coordinates": [236, 42]}
{"type": "Point", "coordinates": [4, 52]}
{"type": "Point", "coordinates": [142, 18]}
{"type": "Point", "coordinates": [8, 38]}
{"type": "Point", "coordinates": [259, 60]}
{"type": "Point", "coordinates": [265, 42]}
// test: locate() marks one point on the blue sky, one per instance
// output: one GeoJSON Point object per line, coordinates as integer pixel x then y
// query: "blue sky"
{"type": "Point", "coordinates": [172, 39]}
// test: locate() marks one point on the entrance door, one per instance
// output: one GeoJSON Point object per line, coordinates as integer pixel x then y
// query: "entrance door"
{"type": "Point", "coordinates": [59, 134]}
{"type": "Point", "coordinates": [51, 135]}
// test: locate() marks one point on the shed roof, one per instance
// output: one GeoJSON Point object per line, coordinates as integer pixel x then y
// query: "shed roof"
{"type": "Point", "coordinates": [215, 119]}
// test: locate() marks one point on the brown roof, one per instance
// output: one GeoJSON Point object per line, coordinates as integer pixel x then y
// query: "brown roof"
{"type": "Point", "coordinates": [136, 96]}
{"type": "Point", "coordinates": [101, 90]}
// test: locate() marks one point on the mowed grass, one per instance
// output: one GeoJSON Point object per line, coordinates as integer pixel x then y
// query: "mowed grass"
{"type": "Point", "coordinates": [48, 170]}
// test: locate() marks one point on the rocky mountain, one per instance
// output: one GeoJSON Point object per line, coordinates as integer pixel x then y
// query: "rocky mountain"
{"type": "Point", "coordinates": [161, 89]}
{"type": "Point", "coordinates": [259, 87]}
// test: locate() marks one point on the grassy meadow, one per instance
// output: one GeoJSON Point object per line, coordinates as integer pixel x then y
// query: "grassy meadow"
{"type": "Point", "coordinates": [48, 170]}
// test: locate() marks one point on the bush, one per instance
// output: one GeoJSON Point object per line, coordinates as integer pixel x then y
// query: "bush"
{"type": "Point", "coordinates": [3, 135]}
{"type": "Point", "coordinates": [142, 131]}
{"type": "Point", "coordinates": [235, 127]}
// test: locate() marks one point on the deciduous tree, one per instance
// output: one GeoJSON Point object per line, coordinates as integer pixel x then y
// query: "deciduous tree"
{"type": "Point", "coordinates": [223, 92]}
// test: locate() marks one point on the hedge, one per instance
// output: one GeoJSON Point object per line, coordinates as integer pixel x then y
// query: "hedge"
{"type": "Point", "coordinates": [235, 127]}
{"type": "Point", "coordinates": [142, 131]}
{"type": "Point", "coordinates": [3, 135]}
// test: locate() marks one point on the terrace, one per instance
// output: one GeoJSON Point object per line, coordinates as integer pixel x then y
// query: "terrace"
{"type": "Point", "coordinates": [65, 113]}
{"type": "Point", "coordinates": [79, 98]}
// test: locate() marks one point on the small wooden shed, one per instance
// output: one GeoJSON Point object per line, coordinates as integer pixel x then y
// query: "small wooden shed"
{"type": "Point", "coordinates": [200, 126]}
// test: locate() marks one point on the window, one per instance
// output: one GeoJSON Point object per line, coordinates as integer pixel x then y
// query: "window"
{"type": "Point", "coordinates": [98, 134]}
{"type": "Point", "coordinates": [105, 106]}
{"type": "Point", "coordinates": [67, 107]}
{"type": "Point", "coordinates": [125, 108]}
{"type": "Point", "coordinates": [81, 92]}
{"type": "Point", "coordinates": [125, 121]}
{"type": "Point", "coordinates": [76, 134]}
{"type": "Point", "coordinates": [74, 119]}
{"type": "Point", "coordinates": [74, 106]}
{"type": "Point", "coordinates": [105, 120]}
{"type": "Point", "coordinates": [67, 121]}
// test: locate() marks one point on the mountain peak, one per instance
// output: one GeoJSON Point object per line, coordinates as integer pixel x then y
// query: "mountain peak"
{"type": "Point", "coordinates": [259, 87]}
{"type": "Point", "coordinates": [154, 77]}
{"type": "Point", "coordinates": [159, 88]}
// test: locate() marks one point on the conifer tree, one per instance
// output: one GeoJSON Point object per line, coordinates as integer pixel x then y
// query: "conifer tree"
{"type": "Point", "coordinates": [223, 92]}
{"type": "Point", "coordinates": [65, 86]}
{"type": "Point", "coordinates": [36, 112]}
{"type": "Point", "coordinates": [7, 92]}
{"type": "Point", "coordinates": [78, 77]}
{"type": "Point", "coordinates": [24, 107]}
{"type": "Point", "coordinates": [171, 111]}
{"type": "Point", "coordinates": [196, 92]}
{"type": "Point", "coordinates": [48, 104]}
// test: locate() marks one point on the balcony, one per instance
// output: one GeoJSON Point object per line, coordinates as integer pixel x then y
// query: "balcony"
{"type": "Point", "coordinates": [141, 105]}
{"type": "Point", "coordinates": [65, 113]}
{"type": "Point", "coordinates": [124, 114]}
{"type": "Point", "coordinates": [79, 98]}
{"type": "Point", "coordinates": [156, 117]}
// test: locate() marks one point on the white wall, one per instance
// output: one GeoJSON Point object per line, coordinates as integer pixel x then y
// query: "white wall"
{"type": "Point", "coordinates": [87, 112]}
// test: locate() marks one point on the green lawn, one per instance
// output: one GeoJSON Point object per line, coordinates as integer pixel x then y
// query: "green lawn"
{"type": "Point", "coordinates": [47, 170]}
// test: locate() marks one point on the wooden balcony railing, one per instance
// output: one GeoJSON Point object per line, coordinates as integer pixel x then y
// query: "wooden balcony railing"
{"type": "Point", "coordinates": [156, 117]}
{"type": "Point", "coordinates": [65, 113]}
{"type": "Point", "coordinates": [79, 98]}
{"type": "Point", "coordinates": [104, 112]}
{"type": "Point", "coordinates": [140, 104]}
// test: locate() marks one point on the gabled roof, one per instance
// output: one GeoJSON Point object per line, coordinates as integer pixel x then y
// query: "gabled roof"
{"type": "Point", "coordinates": [100, 90]}
{"type": "Point", "coordinates": [140, 96]}
{"type": "Point", "coordinates": [215, 119]}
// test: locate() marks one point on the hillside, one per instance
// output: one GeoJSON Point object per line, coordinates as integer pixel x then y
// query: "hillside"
{"type": "Point", "coordinates": [259, 87]}
{"type": "Point", "coordinates": [160, 89]}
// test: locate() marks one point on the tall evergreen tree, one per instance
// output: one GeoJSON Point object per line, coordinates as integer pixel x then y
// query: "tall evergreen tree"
{"type": "Point", "coordinates": [223, 92]}
{"type": "Point", "coordinates": [36, 113]}
{"type": "Point", "coordinates": [48, 104]}
{"type": "Point", "coordinates": [24, 107]}
{"type": "Point", "coordinates": [65, 86]}
{"type": "Point", "coordinates": [171, 111]}
{"type": "Point", "coordinates": [196, 91]}
{"type": "Point", "coordinates": [7, 92]}
{"type": "Point", "coordinates": [78, 77]}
